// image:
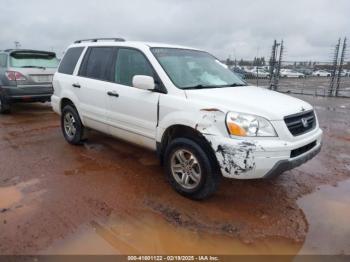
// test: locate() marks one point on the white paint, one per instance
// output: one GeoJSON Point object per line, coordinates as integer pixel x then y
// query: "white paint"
{"type": "Point", "coordinates": [133, 115]}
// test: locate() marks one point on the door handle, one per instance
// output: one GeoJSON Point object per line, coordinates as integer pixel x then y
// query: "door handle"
{"type": "Point", "coordinates": [76, 85]}
{"type": "Point", "coordinates": [112, 93]}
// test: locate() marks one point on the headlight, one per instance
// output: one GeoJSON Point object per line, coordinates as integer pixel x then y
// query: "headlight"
{"type": "Point", "coordinates": [239, 124]}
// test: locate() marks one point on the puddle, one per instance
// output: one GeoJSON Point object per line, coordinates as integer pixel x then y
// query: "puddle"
{"type": "Point", "coordinates": [149, 233]}
{"type": "Point", "coordinates": [9, 196]}
{"type": "Point", "coordinates": [327, 211]}
{"type": "Point", "coordinates": [12, 195]}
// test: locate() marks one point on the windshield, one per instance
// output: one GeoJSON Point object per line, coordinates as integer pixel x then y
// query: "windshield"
{"type": "Point", "coordinates": [40, 60]}
{"type": "Point", "coordinates": [189, 69]}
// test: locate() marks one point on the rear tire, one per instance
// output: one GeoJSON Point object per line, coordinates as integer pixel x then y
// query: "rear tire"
{"type": "Point", "coordinates": [196, 168]}
{"type": "Point", "coordinates": [72, 127]}
{"type": "Point", "coordinates": [5, 107]}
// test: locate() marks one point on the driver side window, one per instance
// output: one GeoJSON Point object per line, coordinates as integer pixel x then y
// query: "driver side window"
{"type": "Point", "coordinates": [131, 62]}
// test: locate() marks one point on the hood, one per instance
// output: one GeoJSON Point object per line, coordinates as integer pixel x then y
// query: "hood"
{"type": "Point", "coordinates": [249, 99]}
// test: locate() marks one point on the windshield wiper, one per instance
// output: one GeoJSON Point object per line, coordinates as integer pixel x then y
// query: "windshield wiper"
{"type": "Point", "coordinates": [200, 87]}
{"type": "Point", "coordinates": [212, 86]}
{"type": "Point", "coordinates": [29, 66]}
{"type": "Point", "coordinates": [235, 84]}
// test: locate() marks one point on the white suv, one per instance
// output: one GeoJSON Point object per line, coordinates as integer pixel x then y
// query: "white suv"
{"type": "Point", "coordinates": [203, 121]}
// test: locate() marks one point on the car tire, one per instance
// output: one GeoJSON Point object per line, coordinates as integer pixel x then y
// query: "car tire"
{"type": "Point", "coordinates": [208, 179]}
{"type": "Point", "coordinates": [71, 125]}
{"type": "Point", "coordinates": [5, 107]}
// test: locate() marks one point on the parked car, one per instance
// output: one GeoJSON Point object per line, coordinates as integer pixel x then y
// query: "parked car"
{"type": "Point", "coordinates": [291, 73]}
{"type": "Point", "coordinates": [343, 73]}
{"type": "Point", "coordinates": [305, 71]}
{"type": "Point", "coordinates": [240, 72]}
{"type": "Point", "coordinates": [25, 76]}
{"type": "Point", "coordinates": [203, 121]}
{"type": "Point", "coordinates": [260, 73]}
{"type": "Point", "coordinates": [321, 73]}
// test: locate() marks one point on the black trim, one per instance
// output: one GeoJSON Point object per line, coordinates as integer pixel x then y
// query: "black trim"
{"type": "Point", "coordinates": [30, 51]}
{"type": "Point", "coordinates": [295, 125]}
{"type": "Point", "coordinates": [158, 112]}
{"type": "Point", "coordinates": [301, 150]}
{"type": "Point", "coordinates": [284, 165]}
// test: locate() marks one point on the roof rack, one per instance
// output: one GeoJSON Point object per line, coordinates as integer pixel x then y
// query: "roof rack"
{"type": "Point", "coordinates": [99, 39]}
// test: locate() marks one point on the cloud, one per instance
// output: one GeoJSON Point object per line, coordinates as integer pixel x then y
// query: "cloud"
{"type": "Point", "coordinates": [236, 28]}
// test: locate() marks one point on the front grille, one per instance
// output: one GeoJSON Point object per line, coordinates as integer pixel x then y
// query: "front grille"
{"type": "Point", "coordinates": [302, 150]}
{"type": "Point", "coordinates": [300, 123]}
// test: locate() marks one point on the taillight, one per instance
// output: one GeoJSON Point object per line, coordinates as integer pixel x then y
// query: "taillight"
{"type": "Point", "coordinates": [15, 76]}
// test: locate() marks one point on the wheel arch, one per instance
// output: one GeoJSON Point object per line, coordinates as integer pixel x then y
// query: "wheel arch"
{"type": "Point", "coordinates": [184, 131]}
{"type": "Point", "coordinates": [69, 101]}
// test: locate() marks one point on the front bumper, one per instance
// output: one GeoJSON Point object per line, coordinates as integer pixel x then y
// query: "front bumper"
{"type": "Point", "coordinates": [263, 158]}
{"type": "Point", "coordinates": [284, 165]}
{"type": "Point", "coordinates": [27, 93]}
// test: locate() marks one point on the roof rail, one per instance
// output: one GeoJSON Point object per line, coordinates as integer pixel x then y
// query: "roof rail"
{"type": "Point", "coordinates": [99, 39]}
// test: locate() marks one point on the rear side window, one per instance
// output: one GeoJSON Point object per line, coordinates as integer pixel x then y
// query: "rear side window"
{"type": "Point", "coordinates": [70, 60]}
{"type": "Point", "coordinates": [131, 62]}
{"type": "Point", "coordinates": [97, 63]}
{"type": "Point", "coordinates": [3, 60]}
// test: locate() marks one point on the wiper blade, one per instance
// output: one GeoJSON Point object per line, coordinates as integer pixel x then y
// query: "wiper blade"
{"type": "Point", "coordinates": [29, 66]}
{"type": "Point", "coordinates": [212, 86]}
{"type": "Point", "coordinates": [235, 84]}
{"type": "Point", "coordinates": [200, 87]}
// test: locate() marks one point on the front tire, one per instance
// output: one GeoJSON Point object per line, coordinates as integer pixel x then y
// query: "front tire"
{"type": "Point", "coordinates": [189, 169]}
{"type": "Point", "coordinates": [72, 127]}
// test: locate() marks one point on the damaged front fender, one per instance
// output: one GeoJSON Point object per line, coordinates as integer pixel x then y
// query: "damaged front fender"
{"type": "Point", "coordinates": [234, 160]}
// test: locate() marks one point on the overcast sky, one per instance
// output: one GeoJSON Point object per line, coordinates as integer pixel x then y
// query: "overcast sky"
{"type": "Point", "coordinates": [243, 28]}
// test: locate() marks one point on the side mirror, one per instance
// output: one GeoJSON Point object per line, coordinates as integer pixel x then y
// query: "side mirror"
{"type": "Point", "coordinates": [143, 82]}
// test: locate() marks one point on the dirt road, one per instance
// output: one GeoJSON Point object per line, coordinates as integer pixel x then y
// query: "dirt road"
{"type": "Point", "coordinates": [108, 197]}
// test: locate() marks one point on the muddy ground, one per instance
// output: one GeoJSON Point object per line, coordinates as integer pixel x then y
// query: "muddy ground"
{"type": "Point", "coordinates": [109, 197]}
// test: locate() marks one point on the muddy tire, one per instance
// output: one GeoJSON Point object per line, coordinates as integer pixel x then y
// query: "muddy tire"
{"type": "Point", "coordinates": [72, 127]}
{"type": "Point", "coordinates": [4, 106]}
{"type": "Point", "coordinates": [189, 169]}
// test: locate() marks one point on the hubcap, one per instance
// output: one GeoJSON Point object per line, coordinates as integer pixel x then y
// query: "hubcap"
{"type": "Point", "coordinates": [185, 169]}
{"type": "Point", "coordinates": [69, 125]}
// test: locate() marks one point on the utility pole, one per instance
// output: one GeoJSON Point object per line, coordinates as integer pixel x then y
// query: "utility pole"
{"type": "Point", "coordinates": [340, 69]}
{"type": "Point", "coordinates": [257, 67]}
{"type": "Point", "coordinates": [272, 62]}
{"type": "Point", "coordinates": [334, 68]}
{"type": "Point", "coordinates": [275, 65]}
{"type": "Point", "coordinates": [278, 69]}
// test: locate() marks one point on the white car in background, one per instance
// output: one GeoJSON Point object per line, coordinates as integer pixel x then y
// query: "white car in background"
{"type": "Point", "coordinates": [291, 73]}
{"type": "Point", "coordinates": [260, 73]}
{"type": "Point", "coordinates": [321, 73]}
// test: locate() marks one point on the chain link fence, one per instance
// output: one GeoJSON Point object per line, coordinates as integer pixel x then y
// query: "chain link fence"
{"type": "Point", "coordinates": [299, 77]}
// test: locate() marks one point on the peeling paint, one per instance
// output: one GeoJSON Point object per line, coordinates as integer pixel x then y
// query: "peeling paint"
{"type": "Point", "coordinates": [207, 120]}
{"type": "Point", "coordinates": [236, 160]}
